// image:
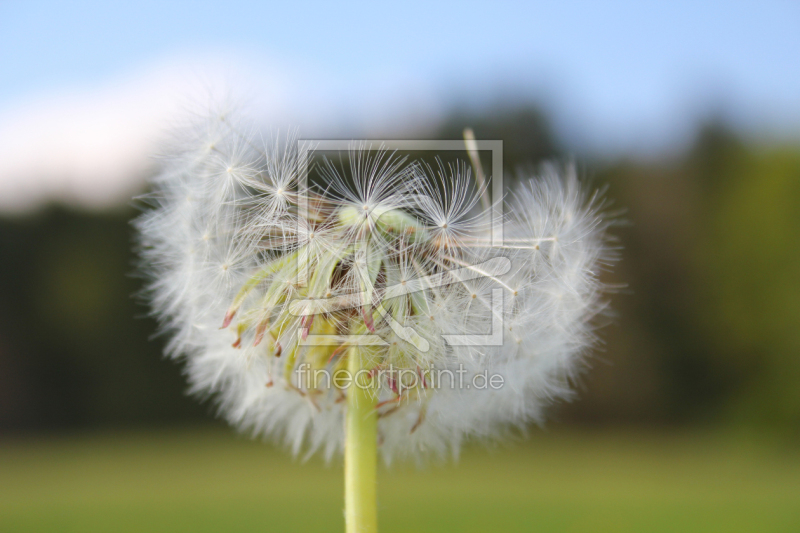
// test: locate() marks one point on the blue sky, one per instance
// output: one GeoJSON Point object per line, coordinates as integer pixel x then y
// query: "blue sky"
{"type": "Point", "coordinates": [617, 76]}
{"type": "Point", "coordinates": [611, 61]}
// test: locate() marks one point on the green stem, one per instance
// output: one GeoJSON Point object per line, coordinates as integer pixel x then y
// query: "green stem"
{"type": "Point", "coordinates": [361, 450]}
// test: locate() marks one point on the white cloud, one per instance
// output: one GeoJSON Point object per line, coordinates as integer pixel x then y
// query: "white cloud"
{"type": "Point", "coordinates": [93, 146]}
{"type": "Point", "coordinates": [83, 146]}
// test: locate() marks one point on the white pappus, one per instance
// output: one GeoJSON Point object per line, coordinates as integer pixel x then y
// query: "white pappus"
{"type": "Point", "coordinates": [264, 286]}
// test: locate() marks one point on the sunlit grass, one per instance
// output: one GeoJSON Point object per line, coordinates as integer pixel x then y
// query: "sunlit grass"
{"type": "Point", "coordinates": [210, 480]}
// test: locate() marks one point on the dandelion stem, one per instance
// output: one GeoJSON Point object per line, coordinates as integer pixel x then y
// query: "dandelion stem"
{"type": "Point", "coordinates": [361, 449]}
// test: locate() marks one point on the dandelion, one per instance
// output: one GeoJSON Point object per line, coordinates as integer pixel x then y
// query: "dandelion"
{"type": "Point", "coordinates": [377, 313]}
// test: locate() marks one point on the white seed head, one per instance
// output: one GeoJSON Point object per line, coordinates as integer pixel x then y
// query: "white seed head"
{"type": "Point", "coordinates": [395, 254]}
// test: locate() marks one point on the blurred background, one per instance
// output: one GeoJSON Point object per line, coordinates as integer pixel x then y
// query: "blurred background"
{"type": "Point", "coordinates": [689, 112]}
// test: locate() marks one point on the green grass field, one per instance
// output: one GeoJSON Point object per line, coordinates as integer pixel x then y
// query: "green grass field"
{"type": "Point", "coordinates": [211, 480]}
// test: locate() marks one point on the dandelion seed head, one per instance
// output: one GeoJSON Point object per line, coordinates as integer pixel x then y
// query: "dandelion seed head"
{"type": "Point", "coordinates": [250, 270]}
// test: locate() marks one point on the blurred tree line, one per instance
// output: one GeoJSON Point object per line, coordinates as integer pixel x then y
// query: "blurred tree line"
{"type": "Point", "coordinates": [707, 330]}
